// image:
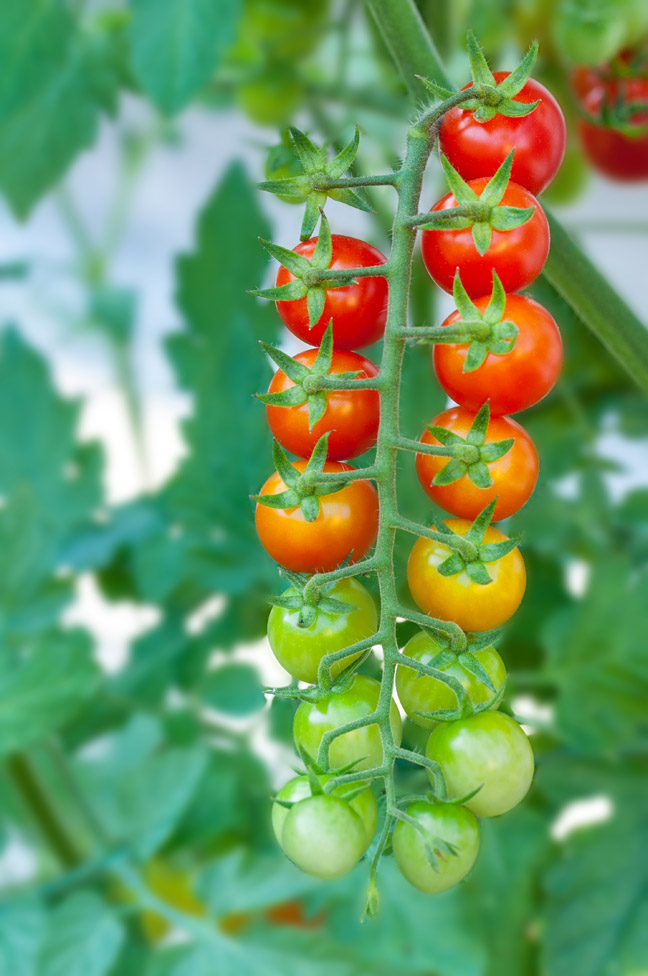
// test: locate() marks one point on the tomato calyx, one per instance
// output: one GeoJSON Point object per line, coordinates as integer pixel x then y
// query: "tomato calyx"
{"type": "Point", "coordinates": [470, 455]}
{"type": "Point", "coordinates": [491, 331]}
{"type": "Point", "coordinates": [318, 180]}
{"type": "Point", "coordinates": [308, 608]}
{"type": "Point", "coordinates": [485, 552]}
{"type": "Point", "coordinates": [491, 98]}
{"type": "Point", "coordinates": [482, 214]}
{"type": "Point", "coordinates": [618, 114]}
{"type": "Point", "coordinates": [310, 383]}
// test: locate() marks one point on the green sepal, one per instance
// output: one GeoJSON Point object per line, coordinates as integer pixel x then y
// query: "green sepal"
{"type": "Point", "coordinates": [446, 220]}
{"type": "Point", "coordinates": [451, 566]}
{"type": "Point", "coordinates": [482, 234]}
{"type": "Point", "coordinates": [352, 198]}
{"type": "Point", "coordinates": [475, 356]}
{"type": "Point", "coordinates": [518, 78]}
{"type": "Point", "coordinates": [344, 159]}
{"type": "Point", "coordinates": [496, 186]}
{"type": "Point", "coordinates": [437, 90]}
{"type": "Point", "coordinates": [286, 471]}
{"type": "Point", "coordinates": [481, 73]}
{"type": "Point", "coordinates": [329, 604]}
{"type": "Point", "coordinates": [297, 264]}
{"type": "Point", "coordinates": [292, 397]}
{"type": "Point", "coordinates": [493, 551]}
{"type": "Point", "coordinates": [458, 186]}
{"type": "Point", "coordinates": [323, 252]}
{"type": "Point", "coordinates": [283, 499]}
{"type": "Point", "coordinates": [478, 573]}
{"type": "Point", "coordinates": [318, 457]}
{"type": "Point", "coordinates": [507, 218]}
{"type": "Point", "coordinates": [477, 642]}
{"type": "Point", "coordinates": [289, 292]}
{"type": "Point", "coordinates": [450, 472]}
{"type": "Point", "coordinates": [287, 601]}
{"type": "Point", "coordinates": [479, 428]}
{"type": "Point", "coordinates": [315, 299]}
{"type": "Point", "coordinates": [496, 450]}
{"type": "Point", "coordinates": [312, 211]}
{"type": "Point", "coordinates": [444, 436]}
{"type": "Point", "coordinates": [294, 371]}
{"type": "Point", "coordinates": [465, 305]}
{"type": "Point", "coordinates": [317, 405]}
{"type": "Point", "coordinates": [314, 782]}
{"type": "Point", "coordinates": [475, 533]}
{"type": "Point", "coordinates": [292, 187]}
{"type": "Point", "coordinates": [469, 662]}
{"type": "Point", "coordinates": [479, 475]}
{"type": "Point", "coordinates": [495, 309]}
{"type": "Point", "coordinates": [493, 98]}
{"type": "Point", "coordinates": [515, 110]}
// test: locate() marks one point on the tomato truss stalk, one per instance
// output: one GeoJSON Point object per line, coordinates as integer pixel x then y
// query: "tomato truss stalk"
{"type": "Point", "coordinates": [408, 182]}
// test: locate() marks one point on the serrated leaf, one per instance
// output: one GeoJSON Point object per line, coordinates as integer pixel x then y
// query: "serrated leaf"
{"type": "Point", "coordinates": [234, 689]}
{"type": "Point", "coordinates": [176, 46]}
{"type": "Point", "coordinates": [84, 937]}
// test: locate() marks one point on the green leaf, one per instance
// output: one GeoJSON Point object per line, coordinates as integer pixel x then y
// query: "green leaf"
{"type": "Point", "coordinates": [44, 688]}
{"type": "Point", "coordinates": [234, 689]}
{"type": "Point", "coordinates": [83, 939]}
{"type": "Point", "coordinates": [48, 106]}
{"type": "Point", "coordinates": [22, 930]}
{"type": "Point", "coordinates": [177, 45]}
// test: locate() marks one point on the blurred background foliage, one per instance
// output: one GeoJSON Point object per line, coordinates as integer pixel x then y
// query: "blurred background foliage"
{"type": "Point", "coordinates": [134, 795]}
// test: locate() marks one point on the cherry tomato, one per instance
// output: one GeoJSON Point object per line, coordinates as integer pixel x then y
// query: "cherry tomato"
{"type": "Point", "coordinates": [323, 836]}
{"type": "Point", "coordinates": [488, 750]}
{"type": "Point", "coordinates": [514, 475]}
{"type": "Point", "coordinates": [510, 382]}
{"type": "Point", "coordinates": [420, 693]}
{"type": "Point", "coordinates": [620, 156]}
{"type": "Point", "coordinates": [363, 804]}
{"type": "Point", "coordinates": [437, 822]}
{"type": "Point", "coordinates": [479, 148]}
{"type": "Point", "coordinates": [517, 255]}
{"type": "Point", "coordinates": [359, 311]}
{"type": "Point", "coordinates": [313, 719]}
{"type": "Point", "coordinates": [347, 524]}
{"type": "Point", "coordinates": [352, 416]}
{"type": "Point", "coordinates": [470, 605]}
{"type": "Point", "coordinates": [300, 649]}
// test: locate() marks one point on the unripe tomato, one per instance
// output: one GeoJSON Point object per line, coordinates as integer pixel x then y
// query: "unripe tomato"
{"type": "Point", "coordinates": [514, 475]}
{"type": "Point", "coordinates": [347, 524]}
{"type": "Point", "coordinates": [420, 693]}
{"type": "Point", "coordinates": [352, 416]}
{"type": "Point", "coordinates": [470, 605]}
{"type": "Point", "coordinates": [271, 98]}
{"type": "Point", "coordinates": [517, 255]}
{"type": "Point", "coordinates": [300, 649]}
{"type": "Point", "coordinates": [313, 719]}
{"type": "Point", "coordinates": [488, 750]}
{"type": "Point", "coordinates": [479, 148]}
{"type": "Point", "coordinates": [437, 822]}
{"type": "Point", "coordinates": [510, 382]}
{"type": "Point", "coordinates": [323, 836]}
{"type": "Point", "coordinates": [363, 804]}
{"type": "Point", "coordinates": [359, 311]}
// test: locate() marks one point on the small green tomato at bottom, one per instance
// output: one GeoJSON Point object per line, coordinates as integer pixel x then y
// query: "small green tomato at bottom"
{"type": "Point", "coordinates": [298, 789]}
{"type": "Point", "coordinates": [323, 836]}
{"type": "Point", "coordinates": [420, 693]}
{"type": "Point", "coordinates": [415, 849]}
{"type": "Point", "coordinates": [300, 649]}
{"type": "Point", "coordinates": [489, 751]}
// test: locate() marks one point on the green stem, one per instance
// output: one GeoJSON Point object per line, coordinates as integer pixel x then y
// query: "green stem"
{"type": "Point", "coordinates": [52, 827]}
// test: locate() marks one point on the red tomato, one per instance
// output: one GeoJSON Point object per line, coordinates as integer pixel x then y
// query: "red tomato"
{"type": "Point", "coordinates": [352, 416]}
{"type": "Point", "coordinates": [359, 312]}
{"type": "Point", "coordinates": [515, 380]}
{"type": "Point", "coordinates": [615, 154]}
{"type": "Point", "coordinates": [514, 475]}
{"type": "Point", "coordinates": [479, 148]}
{"type": "Point", "coordinates": [347, 523]}
{"type": "Point", "coordinates": [517, 255]}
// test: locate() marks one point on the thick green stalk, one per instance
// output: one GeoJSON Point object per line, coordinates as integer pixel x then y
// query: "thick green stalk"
{"type": "Point", "coordinates": [570, 272]}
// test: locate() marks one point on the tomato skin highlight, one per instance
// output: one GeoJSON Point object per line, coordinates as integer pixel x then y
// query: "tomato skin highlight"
{"type": "Point", "coordinates": [422, 693]}
{"type": "Point", "coordinates": [511, 382]}
{"type": "Point", "coordinates": [517, 255]}
{"type": "Point", "coordinates": [514, 475]}
{"type": "Point", "coordinates": [479, 148]}
{"type": "Point", "coordinates": [300, 649]}
{"type": "Point", "coordinates": [323, 836]}
{"type": "Point", "coordinates": [352, 416]}
{"type": "Point", "coordinates": [347, 523]}
{"type": "Point", "coordinates": [489, 749]}
{"type": "Point", "coordinates": [359, 311]}
{"type": "Point", "coordinates": [473, 607]}
{"type": "Point", "coordinates": [443, 821]}
{"type": "Point", "coordinates": [621, 157]}
{"type": "Point", "coordinates": [363, 804]}
{"type": "Point", "coordinates": [313, 719]}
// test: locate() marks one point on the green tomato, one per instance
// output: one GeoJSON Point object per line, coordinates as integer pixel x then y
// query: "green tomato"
{"type": "Point", "coordinates": [284, 28]}
{"type": "Point", "coordinates": [300, 649]}
{"type": "Point", "coordinates": [420, 693]}
{"type": "Point", "coordinates": [295, 790]}
{"type": "Point", "coordinates": [438, 822]}
{"type": "Point", "coordinates": [490, 751]}
{"type": "Point", "coordinates": [589, 32]}
{"type": "Point", "coordinates": [323, 836]}
{"type": "Point", "coordinates": [270, 98]}
{"type": "Point", "coordinates": [363, 745]}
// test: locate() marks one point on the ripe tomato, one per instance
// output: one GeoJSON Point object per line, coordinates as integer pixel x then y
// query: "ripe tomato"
{"type": "Point", "coordinates": [514, 475]}
{"type": "Point", "coordinates": [517, 255]}
{"type": "Point", "coordinates": [420, 693]}
{"type": "Point", "coordinates": [323, 836]}
{"type": "Point", "coordinates": [621, 156]}
{"type": "Point", "coordinates": [510, 382]}
{"type": "Point", "coordinates": [479, 148]}
{"type": "Point", "coordinates": [488, 750]}
{"type": "Point", "coordinates": [313, 719]}
{"type": "Point", "coordinates": [437, 822]}
{"type": "Point", "coordinates": [347, 523]}
{"type": "Point", "coordinates": [363, 804]}
{"type": "Point", "coordinates": [359, 312]}
{"type": "Point", "coordinates": [352, 416]}
{"type": "Point", "coordinates": [472, 606]}
{"type": "Point", "coordinates": [300, 649]}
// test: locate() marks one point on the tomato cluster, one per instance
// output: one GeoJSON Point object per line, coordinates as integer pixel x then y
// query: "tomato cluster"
{"type": "Point", "coordinates": [499, 353]}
